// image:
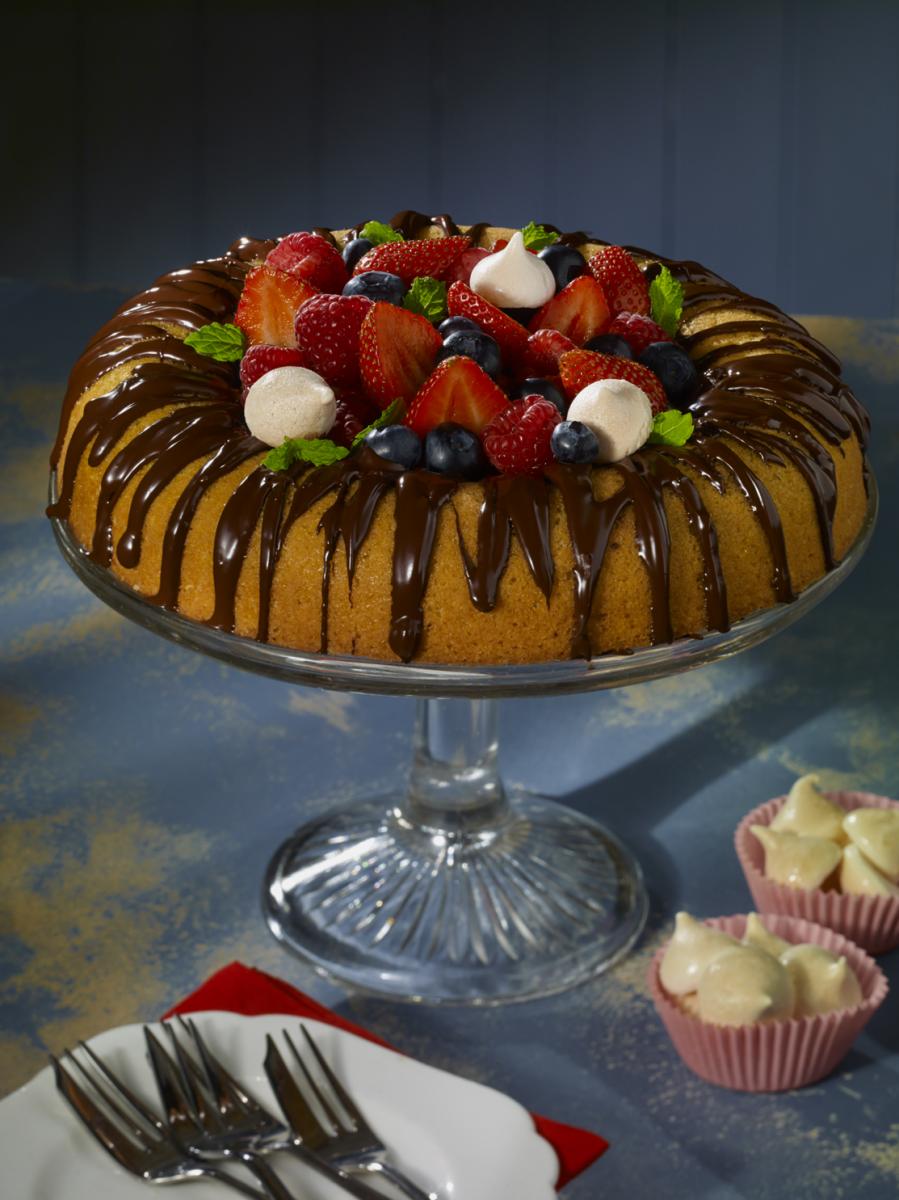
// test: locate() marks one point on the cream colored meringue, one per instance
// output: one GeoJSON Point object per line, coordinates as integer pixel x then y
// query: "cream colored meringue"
{"type": "Point", "coordinates": [513, 277]}
{"type": "Point", "coordinates": [808, 812]}
{"type": "Point", "coordinates": [289, 402]}
{"type": "Point", "coordinates": [797, 860]}
{"type": "Point", "coordinates": [876, 833]}
{"type": "Point", "coordinates": [618, 412]}
{"type": "Point", "coordinates": [692, 947]}
{"type": "Point", "coordinates": [757, 935]}
{"type": "Point", "coordinates": [744, 985]}
{"type": "Point", "coordinates": [860, 877]}
{"type": "Point", "coordinates": [822, 982]}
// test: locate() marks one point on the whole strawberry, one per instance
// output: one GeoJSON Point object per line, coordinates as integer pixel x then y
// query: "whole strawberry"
{"type": "Point", "coordinates": [435, 257]}
{"type": "Point", "coordinates": [309, 256]}
{"type": "Point", "coordinates": [327, 329]}
{"type": "Point", "coordinates": [621, 280]}
{"type": "Point", "coordinates": [638, 331]}
{"type": "Point", "coordinates": [518, 441]}
{"type": "Point", "coordinates": [259, 360]}
{"type": "Point", "coordinates": [579, 368]}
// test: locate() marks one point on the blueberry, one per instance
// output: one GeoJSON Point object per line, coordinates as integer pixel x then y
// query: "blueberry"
{"type": "Point", "coordinates": [574, 442]}
{"type": "Point", "coordinates": [610, 343]}
{"type": "Point", "coordinates": [456, 324]}
{"type": "Point", "coordinates": [473, 343]}
{"type": "Point", "coordinates": [521, 315]}
{"type": "Point", "coordinates": [354, 250]}
{"type": "Point", "coordinates": [542, 387]}
{"type": "Point", "coordinates": [454, 450]}
{"type": "Point", "coordinates": [397, 443]}
{"type": "Point", "coordinates": [565, 262]}
{"type": "Point", "coordinates": [675, 368]}
{"type": "Point", "coordinates": [377, 285]}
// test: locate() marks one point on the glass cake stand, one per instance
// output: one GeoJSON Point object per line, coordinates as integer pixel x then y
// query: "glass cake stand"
{"type": "Point", "coordinates": [457, 889]}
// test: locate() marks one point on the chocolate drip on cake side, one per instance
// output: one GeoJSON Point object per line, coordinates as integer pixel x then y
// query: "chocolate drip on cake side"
{"type": "Point", "coordinates": [782, 403]}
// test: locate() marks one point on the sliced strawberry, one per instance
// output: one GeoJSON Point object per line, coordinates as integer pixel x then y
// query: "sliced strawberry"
{"type": "Point", "coordinates": [354, 413]}
{"type": "Point", "coordinates": [544, 349]}
{"type": "Point", "coordinates": [517, 440]}
{"type": "Point", "coordinates": [397, 351]}
{"type": "Point", "coordinates": [621, 280]}
{"type": "Point", "coordinates": [579, 368]}
{"type": "Point", "coordinates": [309, 256]}
{"type": "Point", "coordinates": [465, 264]}
{"type": "Point", "coordinates": [457, 391]}
{"type": "Point", "coordinates": [327, 329]}
{"type": "Point", "coordinates": [638, 331]}
{"type": "Point", "coordinates": [579, 311]}
{"type": "Point", "coordinates": [422, 256]}
{"type": "Point", "coordinates": [268, 306]}
{"type": "Point", "coordinates": [510, 336]}
{"type": "Point", "coordinates": [259, 360]}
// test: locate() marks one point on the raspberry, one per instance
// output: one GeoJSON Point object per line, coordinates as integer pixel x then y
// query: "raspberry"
{"type": "Point", "coordinates": [259, 360]}
{"type": "Point", "coordinates": [309, 257]}
{"type": "Point", "coordinates": [518, 440]}
{"type": "Point", "coordinates": [638, 331]}
{"type": "Point", "coordinates": [354, 413]}
{"type": "Point", "coordinates": [327, 331]}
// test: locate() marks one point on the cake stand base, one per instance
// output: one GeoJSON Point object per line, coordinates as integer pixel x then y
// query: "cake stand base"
{"type": "Point", "coordinates": [457, 891]}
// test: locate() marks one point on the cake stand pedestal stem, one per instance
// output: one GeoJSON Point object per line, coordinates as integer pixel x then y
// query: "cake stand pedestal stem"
{"type": "Point", "coordinates": [454, 783]}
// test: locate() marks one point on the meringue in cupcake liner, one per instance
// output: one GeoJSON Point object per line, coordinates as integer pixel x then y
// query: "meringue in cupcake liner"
{"type": "Point", "coordinates": [872, 922]}
{"type": "Point", "coordinates": [777, 1055]}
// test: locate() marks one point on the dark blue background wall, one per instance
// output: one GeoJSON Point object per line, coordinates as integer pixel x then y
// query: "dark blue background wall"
{"type": "Point", "coordinates": [760, 138]}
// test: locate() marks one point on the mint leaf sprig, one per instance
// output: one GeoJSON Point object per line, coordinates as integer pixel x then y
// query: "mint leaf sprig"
{"type": "Point", "coordinates": [538, 237]}
{"type": "Point", "coordinates": [320, 452]}
{"type": "Point", "coordinates": [666, 295]}
{"type": "Point", "coordinates": [378, 233]}
{"type": "Point", "coordinates": [671, 428]}
{"type": "Point", "coordinates": [390, 416]}
{"type": "Point", "coordinates": [225, 343]}
{"type": "Point", "coordinates": [427, 297]}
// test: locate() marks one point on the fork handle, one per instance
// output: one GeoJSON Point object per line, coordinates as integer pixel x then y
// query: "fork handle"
{"type": "Point", "coordinates": [351, 1184]}
{"type": "Point", "coordinates": [274, 1188]}
{"type": "Point", "coordinates": [245, 1189]}
{"type": "Point", "coordinates": [398, 1179]}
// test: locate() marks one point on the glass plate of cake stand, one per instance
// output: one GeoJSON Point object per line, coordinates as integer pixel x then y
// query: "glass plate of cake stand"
{"type": "Point", "coordinates": [456, 888]}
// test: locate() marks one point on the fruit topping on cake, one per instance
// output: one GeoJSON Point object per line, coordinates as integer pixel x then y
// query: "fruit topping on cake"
{"type": "Point", "coordinates": [580, 311]}
{"type": "Point", "coordinates": [327, 331]}
{"type": "Point", "coordinates": [458, 391]}
{"type": "Point", "coordinates": [397, 351]}
{"type": "Point", "coordinates": [309, 256]}
{"type": "Point", "coordinates": [518, 439]}
{"type": "Point", "coordinates": [269, 304]}
{"type": "Point", "coordinates": [481, 360]}
{"type": "Point", "coordinates": [621, 281]}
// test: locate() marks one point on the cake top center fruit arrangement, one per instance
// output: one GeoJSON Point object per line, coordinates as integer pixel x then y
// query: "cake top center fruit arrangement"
{"type": "Point", "coordinates": [462, 359]}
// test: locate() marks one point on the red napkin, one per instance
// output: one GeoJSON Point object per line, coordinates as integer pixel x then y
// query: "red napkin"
{"type": "Point", "coordinates": [240, 989]}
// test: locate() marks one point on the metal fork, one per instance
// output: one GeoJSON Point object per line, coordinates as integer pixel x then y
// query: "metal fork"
{"type": "Point", "coordinates": [131, 1132]}
{"type": "Point", "coordinates": [350, 1146]}
{"type": "Point", "coordinates": [234, 1122]}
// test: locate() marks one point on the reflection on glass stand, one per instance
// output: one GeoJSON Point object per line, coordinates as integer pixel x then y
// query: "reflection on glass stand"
{"type": "Point", "coordinates": [457, 889]}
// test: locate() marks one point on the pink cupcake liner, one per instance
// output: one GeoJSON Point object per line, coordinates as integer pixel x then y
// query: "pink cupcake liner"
{"type": "Point", "coordinates": [872, 922]}
{"type": "Point", "coordinates": [772, 1056]}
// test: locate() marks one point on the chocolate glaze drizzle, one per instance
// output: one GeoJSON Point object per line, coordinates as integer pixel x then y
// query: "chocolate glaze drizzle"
{"type": "Point", "coordinates": [765, 403]}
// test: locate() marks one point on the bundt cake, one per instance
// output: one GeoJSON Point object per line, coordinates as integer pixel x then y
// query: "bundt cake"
{"type": "Point", "coordinates": [493, 527]}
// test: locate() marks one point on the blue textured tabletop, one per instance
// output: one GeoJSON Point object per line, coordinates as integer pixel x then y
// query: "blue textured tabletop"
{"type": "Point", "coordinates": [145, 789]}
